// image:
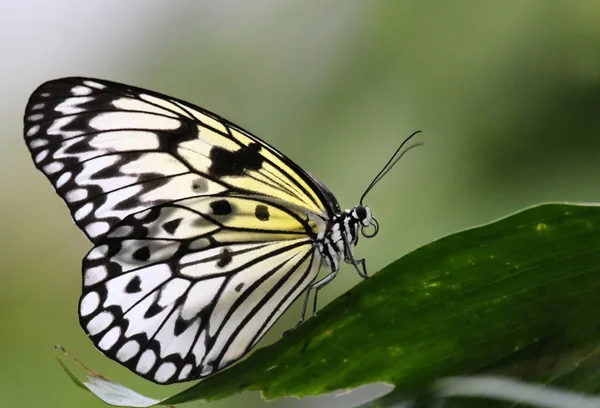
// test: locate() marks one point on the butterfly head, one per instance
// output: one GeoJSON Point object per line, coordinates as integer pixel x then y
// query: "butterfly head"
{"type": "Point", "coordinates": [363, 216]}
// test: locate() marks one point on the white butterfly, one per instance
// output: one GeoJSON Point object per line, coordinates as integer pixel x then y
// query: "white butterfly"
{"type": "Point", "coordinates": [204, 234]}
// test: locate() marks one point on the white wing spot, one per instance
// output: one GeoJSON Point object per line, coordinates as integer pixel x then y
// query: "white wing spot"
{"type": "Point", "coordinates": [128, 350]}
{"type": "Point", "coordinates": [45, 94]}
{"type": "Point", "coordinates": [53, 167]}
{"type": "Point", "coordinates": [110, 338]}
{"type": "Point", "coordinates": [131, 120]}
{"type": "Point", "coordinates": [121, 232]}
{"type": "Point", "coordinates": [165, 371]}
{"type": "Point", "coordinates": [62, 180]}
{"type": "Point", "coordinates": [146, 362]}
{"type": "Point", "coordinates": [77, 195]}
{"type": "Point", "coordinates": [93, 84]}
{"type": "Point", "coordinates": [89, 303]}
{"type": "Point", "coordinates": [38, 106]}
{"type": "Point", "coordinates": [97, 228]}
{"type": "Point", "coordinates": [41, 156]}
{"type": "Point", "coordinates": [81, 90]}
{"type": "Point", "coordinates": [95, 274]}
{"type": "Point", "coordinates": [38, 143]}
{"type": "Point", "coordinates": [33, 130]}
{"type": "Point", "coordinates": [120, 141]}
{"type": "Point", "coordinates": [100, 322]}
{"type": "Point", "coordinates": [185, 372]}
{"type": "Point", "coordinates": [98, 252]}
{"type": "Point", "coordinates": [70, 106]}
{"type": "Point", "coordinates": [36, 116]}
{"type": "Point", "coordinates": [83, 211]}
{"type": "Point", "coordinates": [129, 104]}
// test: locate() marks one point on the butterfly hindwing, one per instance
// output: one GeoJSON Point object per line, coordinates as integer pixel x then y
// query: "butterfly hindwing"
{"type": "Point", "coordinates": [177, 292]}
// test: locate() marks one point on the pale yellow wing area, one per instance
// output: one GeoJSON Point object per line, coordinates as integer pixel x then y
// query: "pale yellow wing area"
{"type": "Point", "coordinates": [264, 170]}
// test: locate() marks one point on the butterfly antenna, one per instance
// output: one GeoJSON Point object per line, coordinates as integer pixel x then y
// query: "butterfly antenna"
{"type": "Point", "coordinates": [391, 163]}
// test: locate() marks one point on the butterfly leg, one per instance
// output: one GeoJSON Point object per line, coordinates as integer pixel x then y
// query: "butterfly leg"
{"type": "Point", "coordinates": [316, 286]}
{"type": "Point", "coordinates": [349, 259]}
{"type": "Point", "coordinates": [304, 306]}
{"type": "Point", "coordinates": [363, 265]}
{"type": "Point", "coordinates": [302, 315]}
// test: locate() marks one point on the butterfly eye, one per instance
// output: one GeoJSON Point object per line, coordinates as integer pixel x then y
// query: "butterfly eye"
{"type": "Point", "coordinates": [363, 215]}
{"type": "Point", "coordinates": [361, 212]}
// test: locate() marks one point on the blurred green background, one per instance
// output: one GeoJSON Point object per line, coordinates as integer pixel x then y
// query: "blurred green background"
{"type": "Point", "coordinates": [506, 92]}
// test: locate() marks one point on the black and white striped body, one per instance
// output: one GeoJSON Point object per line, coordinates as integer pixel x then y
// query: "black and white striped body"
{"type": "Point", "coordinates": [341, 235]}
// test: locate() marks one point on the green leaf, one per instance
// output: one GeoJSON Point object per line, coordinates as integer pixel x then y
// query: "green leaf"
{"type": "Point", "coordinates": [471, 302]}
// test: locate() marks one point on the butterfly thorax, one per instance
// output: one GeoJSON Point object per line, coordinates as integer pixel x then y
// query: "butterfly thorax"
{"type": "Point", "coordinates": [341, 235]}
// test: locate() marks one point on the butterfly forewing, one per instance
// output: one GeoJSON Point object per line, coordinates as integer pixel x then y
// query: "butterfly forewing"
{"type": "Point", "coordinates": [203, 234]}
{"type": "Point", "coordinates": [111, 150]}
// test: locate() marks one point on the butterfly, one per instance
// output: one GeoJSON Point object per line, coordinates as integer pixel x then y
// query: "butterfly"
{"type": "Point", "coordinates": [203, 234]}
